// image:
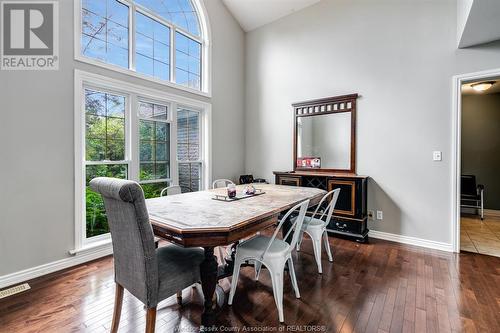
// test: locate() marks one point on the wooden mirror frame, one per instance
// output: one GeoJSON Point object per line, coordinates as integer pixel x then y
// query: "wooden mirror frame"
{"type": "Point", "coordinates": [337, 104]}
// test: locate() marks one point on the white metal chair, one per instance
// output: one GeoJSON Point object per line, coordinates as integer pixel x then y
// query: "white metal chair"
{"type": "Point", "coordinates": [316, 227]}
{"type": "Point", "coordinates": [219, 183]}
{"type": "Point", "coordinates": [171, 190]}
{"type": "Point", "coordinates": [272, 253]}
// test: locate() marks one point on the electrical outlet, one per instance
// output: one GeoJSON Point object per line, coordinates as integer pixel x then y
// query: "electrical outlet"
{"type": "Point", "coordinates": [380, 215]}
{"type": "Point", "coordinates": [371, 215]}
{"type": "Point", "coordinates": [437, 156]}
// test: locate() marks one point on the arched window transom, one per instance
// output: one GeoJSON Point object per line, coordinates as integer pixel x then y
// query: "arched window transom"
{"type": "Point", "coordinates": [161, 39]}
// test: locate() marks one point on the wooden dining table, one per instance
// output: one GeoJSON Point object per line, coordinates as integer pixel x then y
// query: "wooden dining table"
{"type": "Point", "coordinates": [196, 219]}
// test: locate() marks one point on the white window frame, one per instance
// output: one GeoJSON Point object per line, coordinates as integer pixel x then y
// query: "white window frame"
{"type": "Point", "coordinates": [204, 40]}
{"type": "Point", "coordinates": [133, 93]}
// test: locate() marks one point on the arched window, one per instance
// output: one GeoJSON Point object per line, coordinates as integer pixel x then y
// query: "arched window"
{"type": "Point", "coordinates": [161, 39]}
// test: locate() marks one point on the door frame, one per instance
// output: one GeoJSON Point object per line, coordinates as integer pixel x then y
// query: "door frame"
{"type": "Point", "coordinates": [457, 82]}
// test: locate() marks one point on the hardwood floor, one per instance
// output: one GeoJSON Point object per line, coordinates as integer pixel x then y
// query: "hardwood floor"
{"type": "Point", "coordinates": [375, 287]}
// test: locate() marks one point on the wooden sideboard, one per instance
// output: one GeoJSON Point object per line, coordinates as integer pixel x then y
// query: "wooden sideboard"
{"type": "Point", "coordinates": [350, 214]}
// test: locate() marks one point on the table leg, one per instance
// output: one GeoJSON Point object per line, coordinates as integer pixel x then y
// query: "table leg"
{"type": "Point", "coordinates": [208, 272]}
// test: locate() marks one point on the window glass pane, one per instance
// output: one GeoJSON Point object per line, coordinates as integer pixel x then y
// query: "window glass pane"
{"type": "Point", "coordinates": [104, 126]}
{"type": "Point", "coordinates": [117, 12]}
{"type": "Point", "coordinates": [117, 55]}
{"type": "Point", "coordinates": [161, 151]}
{"type": "Point", "coordinates": [93, 48]}
{"type": "Point", "coordinates": [144, 65]}
{"type": "Point", "coordinates": [189, 176]}
{"type": "Point", "coordinates": [147, 171]}
{"type": "Point", "coordinates": [160, 112]}
{"type": "Point", "coordinates": [144, 45]}
{"type": "Point", "coordinates": [188, 148]}
{"type": "Point", "coordinates": [95, 103]}
{"type": "Point", "coordinates": [95, 149]}
{"type": "Point", "coordinates": [115, 150]}
{"type": "Point", "coordinates": [187, 61]}
{"type": "Point", "coordinates": [105, 31]}
{"type": "Point", "coordinates": [115, 106]}
{"type": "Point", "coordinates": [93, 25]}
{"type": "Point", "coordinates": [145, 110]}
{"type": "Point", "coordinates": [117, 35]}
{"type": "Point", "coordinates": [194, 81]}
{"type": "Point", "coordinates": [96, 221]}
{"type": "Point", "coordinates": [162, 171]}
{"type": "Point", "coordinates": [146, 130]}
{"type": "Point", "coordinates": [161, 70]}
{"type": "Point", "coordinates": [179, 12]}
{"type": "Point", "coordinates": [95, 127]}
{"type": "Point", "coordinates": [153, 111]}
{"type": "Point", "coordinates": [162, 133]}
{"type": "Point", "coordinates": [154, 142]}
{"type": "Point", "coordinates": [95, 6]}
{"type": "Point", "coordinates": [152, 41]}
{"type": "Point", "coordinates": [162, 52]}
{"type": "Point", "coordinates": [146, 151]}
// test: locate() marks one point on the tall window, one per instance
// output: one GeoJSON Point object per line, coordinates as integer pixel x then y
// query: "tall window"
{"type": "Point", "coordinates": [166, 45]}
{"type": "Point", "coordinates": [188, 148]}
{"type": "Point", "coordinates": [154, 148]}
{"type": "Point", "coordinates": [131, 132]}
{"type": "Point", "coordinates": [104, 151]}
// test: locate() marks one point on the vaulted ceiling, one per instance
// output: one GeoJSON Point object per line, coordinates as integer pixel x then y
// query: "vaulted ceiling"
{"type": "Point", "coordinates": [252, 14]}
{"type": "Point", "coordinates": [478, 22]}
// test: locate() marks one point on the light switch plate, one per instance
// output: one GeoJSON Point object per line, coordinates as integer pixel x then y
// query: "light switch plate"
{"type": "Point", "coordinates": [437, 156]}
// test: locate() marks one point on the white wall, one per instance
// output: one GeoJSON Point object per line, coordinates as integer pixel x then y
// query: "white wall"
{"type": "Point", "coordinates": [399, 55]}
{"type": "Point", "coordinates": [36, 141]}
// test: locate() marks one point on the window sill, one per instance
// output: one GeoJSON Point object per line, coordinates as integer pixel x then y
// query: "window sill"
{"type": "Point", "coordinates": [96, 246]}
{"type": "Point", "coordinates": [129, 72]}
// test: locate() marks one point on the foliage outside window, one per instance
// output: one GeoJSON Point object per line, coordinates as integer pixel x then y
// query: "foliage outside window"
{"type": "Point", "coordinates": [105, 37]}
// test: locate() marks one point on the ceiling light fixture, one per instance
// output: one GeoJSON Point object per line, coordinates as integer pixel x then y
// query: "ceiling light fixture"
{"type": "Point", "coordinates": [482, 86]}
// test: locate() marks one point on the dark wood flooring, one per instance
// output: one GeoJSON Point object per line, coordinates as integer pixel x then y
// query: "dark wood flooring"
{"type": "Point", "coordinates": [375, 287]}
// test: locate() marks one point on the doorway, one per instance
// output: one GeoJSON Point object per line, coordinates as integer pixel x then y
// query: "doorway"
{"type": "Point", "coordinates": [475, 161]}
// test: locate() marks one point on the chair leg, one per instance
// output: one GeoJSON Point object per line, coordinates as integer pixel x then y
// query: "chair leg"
{"type": "Point", "coordinates": [316, 241]}
{"type": "Point", "coordinates": [327, 246]}
{"type": "Point", "coordinates": [150, 320]}
{"type": "Point", "coordinates": [118, 308]}
{"type": "Point", "coordinates": [277, 280]}
{"type": "Point", "coordinates": [257, 266]}
{"type": "Point", "coordinates": [482, 206]}
{"type": "Point", "coordinates": [291, 270]}
{"type": "Point", "coordinates": [234, 281]}
{"type": "Point", "coordinates": [179, 297]}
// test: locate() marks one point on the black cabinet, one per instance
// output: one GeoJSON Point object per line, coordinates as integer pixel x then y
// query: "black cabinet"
{"type": "Point", "coordinates": [350, 214]}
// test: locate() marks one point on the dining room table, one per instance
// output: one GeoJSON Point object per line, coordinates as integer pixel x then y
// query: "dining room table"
{"type": "Point", "coordinates": [209, 219]}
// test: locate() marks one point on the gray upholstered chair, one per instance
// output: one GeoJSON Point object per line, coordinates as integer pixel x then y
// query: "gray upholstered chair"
{"type": "Point", "coordinates": [149, 274]}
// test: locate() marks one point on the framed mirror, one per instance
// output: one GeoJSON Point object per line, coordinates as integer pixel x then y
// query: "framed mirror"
{"type": "Point", "coordinates": [325, 134]}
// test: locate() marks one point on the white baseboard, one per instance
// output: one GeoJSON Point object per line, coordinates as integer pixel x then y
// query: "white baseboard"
{"type": "Point", "coordinates": [411, 240]}
{"type": "Point", "coordinates": [34, 272]}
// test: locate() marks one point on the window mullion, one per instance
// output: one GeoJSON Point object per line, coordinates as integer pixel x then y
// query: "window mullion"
{"type": "Point", "coordinates": [172, 56]}
{"type": "Point", "coordinates": [174, 163]}
{"type": "Point", "coordinates": [131, 37]}
{"type": "Point", "coordinates": [133, 137]}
